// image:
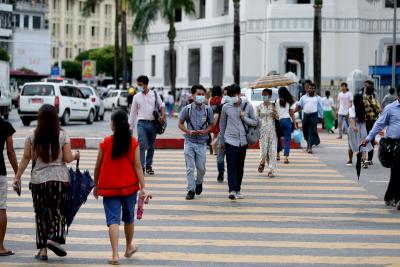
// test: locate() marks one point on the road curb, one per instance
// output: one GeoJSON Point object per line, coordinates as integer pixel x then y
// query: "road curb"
{"type": "Point", "coordinates": [161, 143]}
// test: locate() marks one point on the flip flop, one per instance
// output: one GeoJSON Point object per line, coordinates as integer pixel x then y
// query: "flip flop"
{"type": "Point", "coordinates": [112, 262]}
{"type": "Point", "coordinates": [7, 253]}
{"type": "Point", "coordinates": [133, 251]}
{"type": "Point", "coordinates": [41, 257]}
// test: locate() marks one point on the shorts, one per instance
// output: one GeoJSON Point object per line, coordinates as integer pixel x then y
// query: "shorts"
{"type": "Point", "coordinates": [3, 192]}
{"type": "Point", "coordinates": [113, 205]}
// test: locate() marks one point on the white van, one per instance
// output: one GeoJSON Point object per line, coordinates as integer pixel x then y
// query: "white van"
{"type": "Point", "coordinates": [71, 103]}
{"type": "Point", "coordinates": [116, 99]}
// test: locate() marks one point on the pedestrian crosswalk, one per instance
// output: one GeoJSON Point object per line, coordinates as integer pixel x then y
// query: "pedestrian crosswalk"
{"type": "Point", "coordinates": [309, 215]}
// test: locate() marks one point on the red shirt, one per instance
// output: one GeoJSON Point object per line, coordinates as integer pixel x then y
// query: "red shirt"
{"type": "Point", "coordinates": [117, 176]}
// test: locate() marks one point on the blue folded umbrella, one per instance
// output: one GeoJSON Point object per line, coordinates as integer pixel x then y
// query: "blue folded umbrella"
{"type": "Point", "coordinates": [80, 186]}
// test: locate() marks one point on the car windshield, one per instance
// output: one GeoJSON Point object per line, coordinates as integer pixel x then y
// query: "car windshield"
{"type": "Point", "coordinates": [38, 90]}
{"type": "Point", "coordinates": [86, 91]}
{"type": "Point", "coordinates": [124, 94]}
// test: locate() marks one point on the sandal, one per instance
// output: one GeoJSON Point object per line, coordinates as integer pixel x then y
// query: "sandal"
{"type": "Point", "coordinates": [271, 174]}
{"type": "Point", "coordinates": [41, 257]}
{"type": "Point", "coordinates": [7, 253]}
{"type": "Point", "coordinates": [286, 161]}
{"type": "Point", "coordinates": [261, 167]}
{"type": "Point", "coordinates": [113, 262]}
{"type": "Point", "coordinates": [130, 253]}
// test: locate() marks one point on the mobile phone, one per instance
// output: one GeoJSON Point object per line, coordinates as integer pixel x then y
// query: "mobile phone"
{"type": "Point", "coordinates": [18, 189]}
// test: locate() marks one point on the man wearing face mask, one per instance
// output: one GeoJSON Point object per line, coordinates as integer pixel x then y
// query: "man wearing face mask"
{"type": "Point", "coordinates": [143, 105]}
{"type": "Point", "coordinates": [220, 153]}
{"type": "Point", "coordinates": [312, 107]}
{"type": "Point", "coordinates": [234, 118]}
{"type": "Point", "coordinates": [199, 120]}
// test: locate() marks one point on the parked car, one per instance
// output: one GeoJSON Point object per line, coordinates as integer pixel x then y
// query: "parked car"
{"type": "Point", "coordinates": [71, 103]}
{"type": "Point", "coordinates": [95, 97]}
{"type": "Point", "coordinates": [116, 99]}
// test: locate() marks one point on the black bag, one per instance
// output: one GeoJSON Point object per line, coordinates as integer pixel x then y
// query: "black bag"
{"type": "Point", "coordinates": [389, 149]}
{"type": "Point", "coordinates": [253, 133]}
{"type": "Point", "coordinates": [160, 126]}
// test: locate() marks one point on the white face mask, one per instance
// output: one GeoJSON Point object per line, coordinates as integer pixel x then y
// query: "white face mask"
{"type": "Point", "coordinates": [225, 99]}
{"type": "Point", "coordinates": [140, 88]}
{"type": "Point", "coordinates": [199, 99]}
{"type": "Point", "coordinates": [234, 99]}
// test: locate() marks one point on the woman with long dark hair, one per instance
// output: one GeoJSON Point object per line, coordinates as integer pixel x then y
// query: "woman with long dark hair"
{"type": "Point", "coordinates": [118, 177]}
{"type": "Point", "coordinates": [357, 130]}
{"type": "Point", "coordinates": [285, 108]}
{"type": "Point", "coordinates": [49, 149]}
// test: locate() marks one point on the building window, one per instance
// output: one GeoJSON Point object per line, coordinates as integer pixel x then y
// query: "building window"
{"type": "Point", "coordinates": [54, 52]}
{"type": "Point", "coordinates": [67, 31]}
{"type": "Point", "coordinates": [107, 9]}
{"type": "Point", "coordinates": [153, 66]}
{"type": "Point", "coordinates": [93, 30]}
{"type": "Point", "coordinates": [68, 5]}
{"type": "Point", "coordinates": [26, 22]}
{"type": "Point", "coordinates": [217, 65]}
{"type": "Point", "coordinates": [200, 8]}
{"type": "Point", "coordinates": [178, 15]}
{"type": "Point", "coordinates": [93, 9]}
{"type": "Point", "coordinates": [303, 1]}
{"type": "Point", "coordinates": [167, 69]}
{"type": "Point", "coordinates": [194, 66]}
{"type": "Point", "coordinates": [221, 8]}
{"type": "Point", "coordinates": [16, 20]}
{"type": "Point", "coordinates": [36, 22]}
{"type": "Point", "coordinates": [55, 4]}
{"type": "Point", "coordinates": [389, 3]}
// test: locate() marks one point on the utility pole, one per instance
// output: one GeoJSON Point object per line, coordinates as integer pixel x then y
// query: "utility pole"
{"type": "Point", "coordinates": [394, 44]}
{"type": "Point", "coordinates": [116, 45]}
{"type": "Point", "coordinates": [123, 44]}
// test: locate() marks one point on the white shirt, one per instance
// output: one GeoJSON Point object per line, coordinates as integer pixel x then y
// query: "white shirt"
{"type": "Point", "coordinates": [352, 112]}
{"type": "Point", "coordinates": [143, 106]}
{"type": "Point", "coordinates": [311, 105]}
{"type": "Point", "coordinates": [327, 103]}
{"type": "Point", "coordinates": [345, 102]}
{"type": "Point", "coordinates": [284, 113]}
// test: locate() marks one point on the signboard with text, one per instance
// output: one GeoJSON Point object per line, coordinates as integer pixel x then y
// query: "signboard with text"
{"type": "Point", "coordinates": [88, 70]}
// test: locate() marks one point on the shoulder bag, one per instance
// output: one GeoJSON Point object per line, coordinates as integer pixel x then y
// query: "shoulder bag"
{"type": "Point", "coordinates": [252, 132]}
{"type": "Point", "coordinates": [160, 126]}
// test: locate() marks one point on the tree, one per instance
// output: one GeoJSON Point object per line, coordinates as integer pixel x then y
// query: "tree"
{"type": "Point", "coordinates": [4, 56]}
{"type": "Point", "coordinates": [317, 43]}
{"type": "Point", "coordinates": [87, 10]}
{"type": "Point", "coordinates": [73, 69]}
{"type": "Point", "coordinates": [236, 42]}
{"type": "Point", "coordinates": [148, 11]}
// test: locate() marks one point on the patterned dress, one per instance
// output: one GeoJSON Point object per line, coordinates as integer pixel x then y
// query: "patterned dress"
{"type": "Point", "coordinates": [268, 139]}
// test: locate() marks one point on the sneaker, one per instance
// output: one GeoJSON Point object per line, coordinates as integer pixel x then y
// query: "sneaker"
{"type": "Point", "coordinates": [239, 195]}
{"type": "Point", "coordinates": [232, 195]}
{"type": "Point", "coordinates": [149, 170]}
{"type": "Point", "coordinates": [220, 178]}
{"type": "Point", "coordinates": [349, 163]}
{"type": "Point", "coordinates": [190, 195]}
{"type": "Point", "coordinates": [199, 189]}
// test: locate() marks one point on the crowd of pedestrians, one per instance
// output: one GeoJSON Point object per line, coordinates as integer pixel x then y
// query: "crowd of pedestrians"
{"type": "Point", "coordinates": [123, 160]}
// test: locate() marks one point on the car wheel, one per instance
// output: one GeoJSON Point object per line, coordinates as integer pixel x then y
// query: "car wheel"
{"type": "Point", "coordinates": [90, 118]}
{"type": "Point", "coordinates": [65, 118]}
{"type": "Point", "coordinates": [96, 118]}
{"type": "Point", "coordinates": [101, 117]}
{"type": "Point", "coordinates": [26, 121]}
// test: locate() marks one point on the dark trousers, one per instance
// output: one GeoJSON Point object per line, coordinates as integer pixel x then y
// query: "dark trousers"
{"type": "Point", "coordinates": [310, 131]}
{"type": "Point", "coordinates": [369, 125]}
{"type": "Point", "coordinates": [393, 190]}
{"type": "Point", "coordinates": [235, 157]}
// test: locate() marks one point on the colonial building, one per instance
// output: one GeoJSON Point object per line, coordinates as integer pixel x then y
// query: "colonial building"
{"type": "Point", "coordinates": [5, 23]}
{"type": "Point", "coordinates": [71, 33]}
{"type": "Point", "coordinates": [276, 35]}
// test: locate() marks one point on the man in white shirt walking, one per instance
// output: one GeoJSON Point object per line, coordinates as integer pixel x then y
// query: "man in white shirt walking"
{"type": "Point", "coordinates": [345, 101]}
{"type": "Point", "coordinates": [144, 104]}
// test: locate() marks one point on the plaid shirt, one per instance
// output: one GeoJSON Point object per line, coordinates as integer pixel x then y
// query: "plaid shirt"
{"type": "Point", "coordinates": [372, 108]}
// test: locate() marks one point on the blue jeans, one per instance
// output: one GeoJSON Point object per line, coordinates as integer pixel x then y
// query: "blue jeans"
{"type": "Point", "coordinates": [146, 137]}
{"type": "Point", "coordinates": [235, 157]}
{"type": "Point", "coordinates": [286, 126]}
{"type": "Point", "coordinates": [195, 158]}
{"type": "Point", "coordinates": [112, 208]}
{"type": "Point", "coordinates": [220, 158]}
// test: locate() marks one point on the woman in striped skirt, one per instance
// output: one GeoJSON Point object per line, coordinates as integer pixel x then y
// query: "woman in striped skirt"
{"type": "Point", "coordinates": [49, 149]}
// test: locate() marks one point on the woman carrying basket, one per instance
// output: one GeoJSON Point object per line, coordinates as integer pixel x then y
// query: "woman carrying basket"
{"type": "Point", "coordinates": [50, 149]}
{"type": "Point", "coordinates": [118, 177]}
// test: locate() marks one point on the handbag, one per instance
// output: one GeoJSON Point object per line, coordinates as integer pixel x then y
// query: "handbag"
{"type": "Point", "coordinates": [160, 126]}
{"type": "Point", "coordinates": [252, 132]}
{"type": "Point", "coordinates": [388, 150]}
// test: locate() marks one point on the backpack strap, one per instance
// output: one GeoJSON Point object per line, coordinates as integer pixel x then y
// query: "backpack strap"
{"type": "Point", "coordinates": [189, 119]}
{"type": "Point", "coordinates": [156, 104]}
{"type": "Point", "coordinates": [244, 126]}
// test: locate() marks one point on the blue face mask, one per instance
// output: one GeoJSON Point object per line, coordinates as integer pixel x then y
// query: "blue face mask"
{"type": "Point", "coordinates": [140, 89]}
{"type": "Point", "coordinates": [199, 99]}
{"type": "Point", "coordinates": [266, 98]}
{"type": "Point", "coordinates": [225, 99]}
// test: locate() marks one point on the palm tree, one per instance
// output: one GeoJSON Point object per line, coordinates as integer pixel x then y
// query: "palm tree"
{"type": "Point", "coordinates": [236, 41]}
{"type": "Point", "coordinates": [147, 12]}
{"type": "Point", "coordinates": [87, 10]}
{"type": "Point", "coordinates": [317, 43]}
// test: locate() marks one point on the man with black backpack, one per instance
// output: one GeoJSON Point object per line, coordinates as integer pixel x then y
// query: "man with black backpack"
{"type": "Point", "coordinates": [199, 120]}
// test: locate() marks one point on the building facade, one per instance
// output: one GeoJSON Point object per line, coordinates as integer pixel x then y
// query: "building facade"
{"type": "Point", "coordinates": [72, 33]}
{"type": "Point", "coordinates": [6, 9]}
{"type": "Point", "coordinates": [276, 35]}
{"type": "Point", "coordinates": [31, 45]}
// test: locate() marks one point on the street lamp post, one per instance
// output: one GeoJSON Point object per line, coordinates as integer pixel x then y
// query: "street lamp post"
{"type": "Point", "coordinates": [394, 44]}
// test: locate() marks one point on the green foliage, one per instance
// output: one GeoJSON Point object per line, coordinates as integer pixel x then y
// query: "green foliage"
{"type": "Point", "coordinates": [4, 55]}
{"type": "Point", "coordinates": [146, 12]}
{"type": "Point", "coordinates": [319, 2]}
{"type": "Point", "coordinates": [73, 69]}
{"type": "Point", "coordinates": [104, 58]}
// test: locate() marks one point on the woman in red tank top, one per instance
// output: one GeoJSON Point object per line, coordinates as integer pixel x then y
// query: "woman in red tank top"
{"type": "Point", "coordinates": [118, 177]}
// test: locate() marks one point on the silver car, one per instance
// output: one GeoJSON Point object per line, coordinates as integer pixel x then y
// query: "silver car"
{"type": "Point", "coordinates": [95, 97]}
